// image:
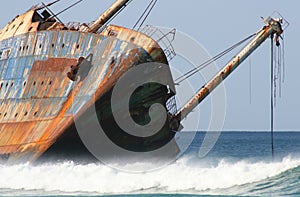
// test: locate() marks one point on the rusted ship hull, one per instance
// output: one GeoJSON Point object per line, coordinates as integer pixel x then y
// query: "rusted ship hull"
{"type": "Point", "coordinates": [37, 96]}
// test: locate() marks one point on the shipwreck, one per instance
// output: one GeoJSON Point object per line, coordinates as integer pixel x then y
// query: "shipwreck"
{"type": "Point", "coordinates": [44, 63]}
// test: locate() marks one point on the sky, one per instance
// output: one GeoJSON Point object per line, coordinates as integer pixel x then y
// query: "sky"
{"type": "Point", "coordinates": [216, 25]}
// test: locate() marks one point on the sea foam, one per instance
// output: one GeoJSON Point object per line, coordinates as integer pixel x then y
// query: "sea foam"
{"type": "Point", "coordinates": [188, 174]}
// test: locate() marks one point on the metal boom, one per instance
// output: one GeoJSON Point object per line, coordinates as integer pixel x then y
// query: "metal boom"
{"type": "Point", "coordinates": [107, 15]}
{"type": "Point", "coordinates": [273, 26]}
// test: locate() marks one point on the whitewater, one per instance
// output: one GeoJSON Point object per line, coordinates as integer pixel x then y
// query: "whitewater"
{"type": "Point", "coordinates": [239, 165]}
{"type": "Point", "coordinates": [188, 175]}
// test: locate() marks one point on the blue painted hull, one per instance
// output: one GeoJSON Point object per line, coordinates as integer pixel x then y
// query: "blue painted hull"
{"type": "Point", "coordinates": [37, 105]}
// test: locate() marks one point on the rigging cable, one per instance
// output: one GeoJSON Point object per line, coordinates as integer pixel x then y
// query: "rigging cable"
{"type": "Point", "coordinates": [283, 60]}
{"type": "Point", "coordinates": [138, 21]}
{"type": "Point", "coordinates": [145, 14]}
{"type": "Point", "coordinates": [67, 8]}
{"type": "Point", "coordinates": [272, 96]}
{"type": "Point", "coordinates": [277, 79]}
{"type": "Point", "coordinates": [208, 62]}
{"type": "Point", "coordinates": [45, 6]}
{"type": "Point", "coordinates": [282, 63]}
{"type": "Point", "coordinates": [279, 62]}
{"type": "Point", "coordinates": [55, 15]}
{"type": "Point", "coordinates": [48, 5]}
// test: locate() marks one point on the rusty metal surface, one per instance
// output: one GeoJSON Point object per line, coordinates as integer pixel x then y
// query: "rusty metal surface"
{"type": "Point", "coordinates": [274, 27]}
{"type": "Point", "coordinates": [19, 25]}
{"type": "Point", "coordinates": [107, 15]}
{"type": "Point", "coordinates": [37, 97]}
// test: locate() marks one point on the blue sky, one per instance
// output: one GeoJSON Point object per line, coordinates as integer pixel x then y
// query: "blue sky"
{"type": "Point", "coordinates": [216, 25]}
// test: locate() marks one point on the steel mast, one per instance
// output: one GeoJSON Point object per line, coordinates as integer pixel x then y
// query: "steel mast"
{"type": "Point", "coordinates": [107, 15]}
{"type": "Point", "coordinates": [273, 26]}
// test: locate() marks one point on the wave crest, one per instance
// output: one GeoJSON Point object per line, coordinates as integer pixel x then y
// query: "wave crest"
{"type": "Point", "coordinates": [187, 175]}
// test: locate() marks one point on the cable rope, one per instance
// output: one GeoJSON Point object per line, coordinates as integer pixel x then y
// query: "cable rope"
{"type": "Point", "coordinates": [208, 62]}
{"type": "Point", "coordinates": [67, 8]}
{"type": "Point", "coordinates": [145, 14]}
{"type": "Point", "coordinates": [272, 97]}
{"type": "Point", "coordinates": [141, 17]}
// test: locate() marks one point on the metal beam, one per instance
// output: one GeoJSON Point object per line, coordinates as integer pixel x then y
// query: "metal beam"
{"type": "Point", "coordinates": [107, 15]}
{"type": "Point", "coordinates": [273, 27]}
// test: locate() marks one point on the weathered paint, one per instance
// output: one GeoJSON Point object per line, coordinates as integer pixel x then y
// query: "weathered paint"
{"type": "Point", "coordinates": [37, 97]}
{"type": "Point", "coordinates": [20, 25]}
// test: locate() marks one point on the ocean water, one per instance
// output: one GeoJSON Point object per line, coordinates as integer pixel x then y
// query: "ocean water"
{"type": "Point", "coordinates": [240, 164]}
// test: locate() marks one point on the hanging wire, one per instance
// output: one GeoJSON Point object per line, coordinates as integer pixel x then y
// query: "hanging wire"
{"type": "Point", "coordinates": [208, 62]}
{"type": "Point", "coordinates": [282, 65]}
{"type": "Point", "coordinates": [147, 15]}
{"type": "Point", "coordinates": [141, 17]}
{"type": "Point", "coordinates": [279, 70]}
{"type": "Point", "coordinates": [277, 78]}
{"type": "Point", "coordinates": [50, 13]}
{"type": "Point", "coordinates": [69, 7]}
{"type": "Point", "coordinates": [275, 74]}
{"type": "Point", "coordinates": [272, 97]}
{"type": "Point", "coordinates": [55, 15]}
{"type": "Point", "coordinates": [48, 5]}
{"type": "Point", "coordinates": [279, 73]}
{"type": "Point", "coordinates": [283, 59]}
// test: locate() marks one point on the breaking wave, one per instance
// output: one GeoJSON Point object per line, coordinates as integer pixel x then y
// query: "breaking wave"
{"type": "Point", "coordinates": [188, 175]}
